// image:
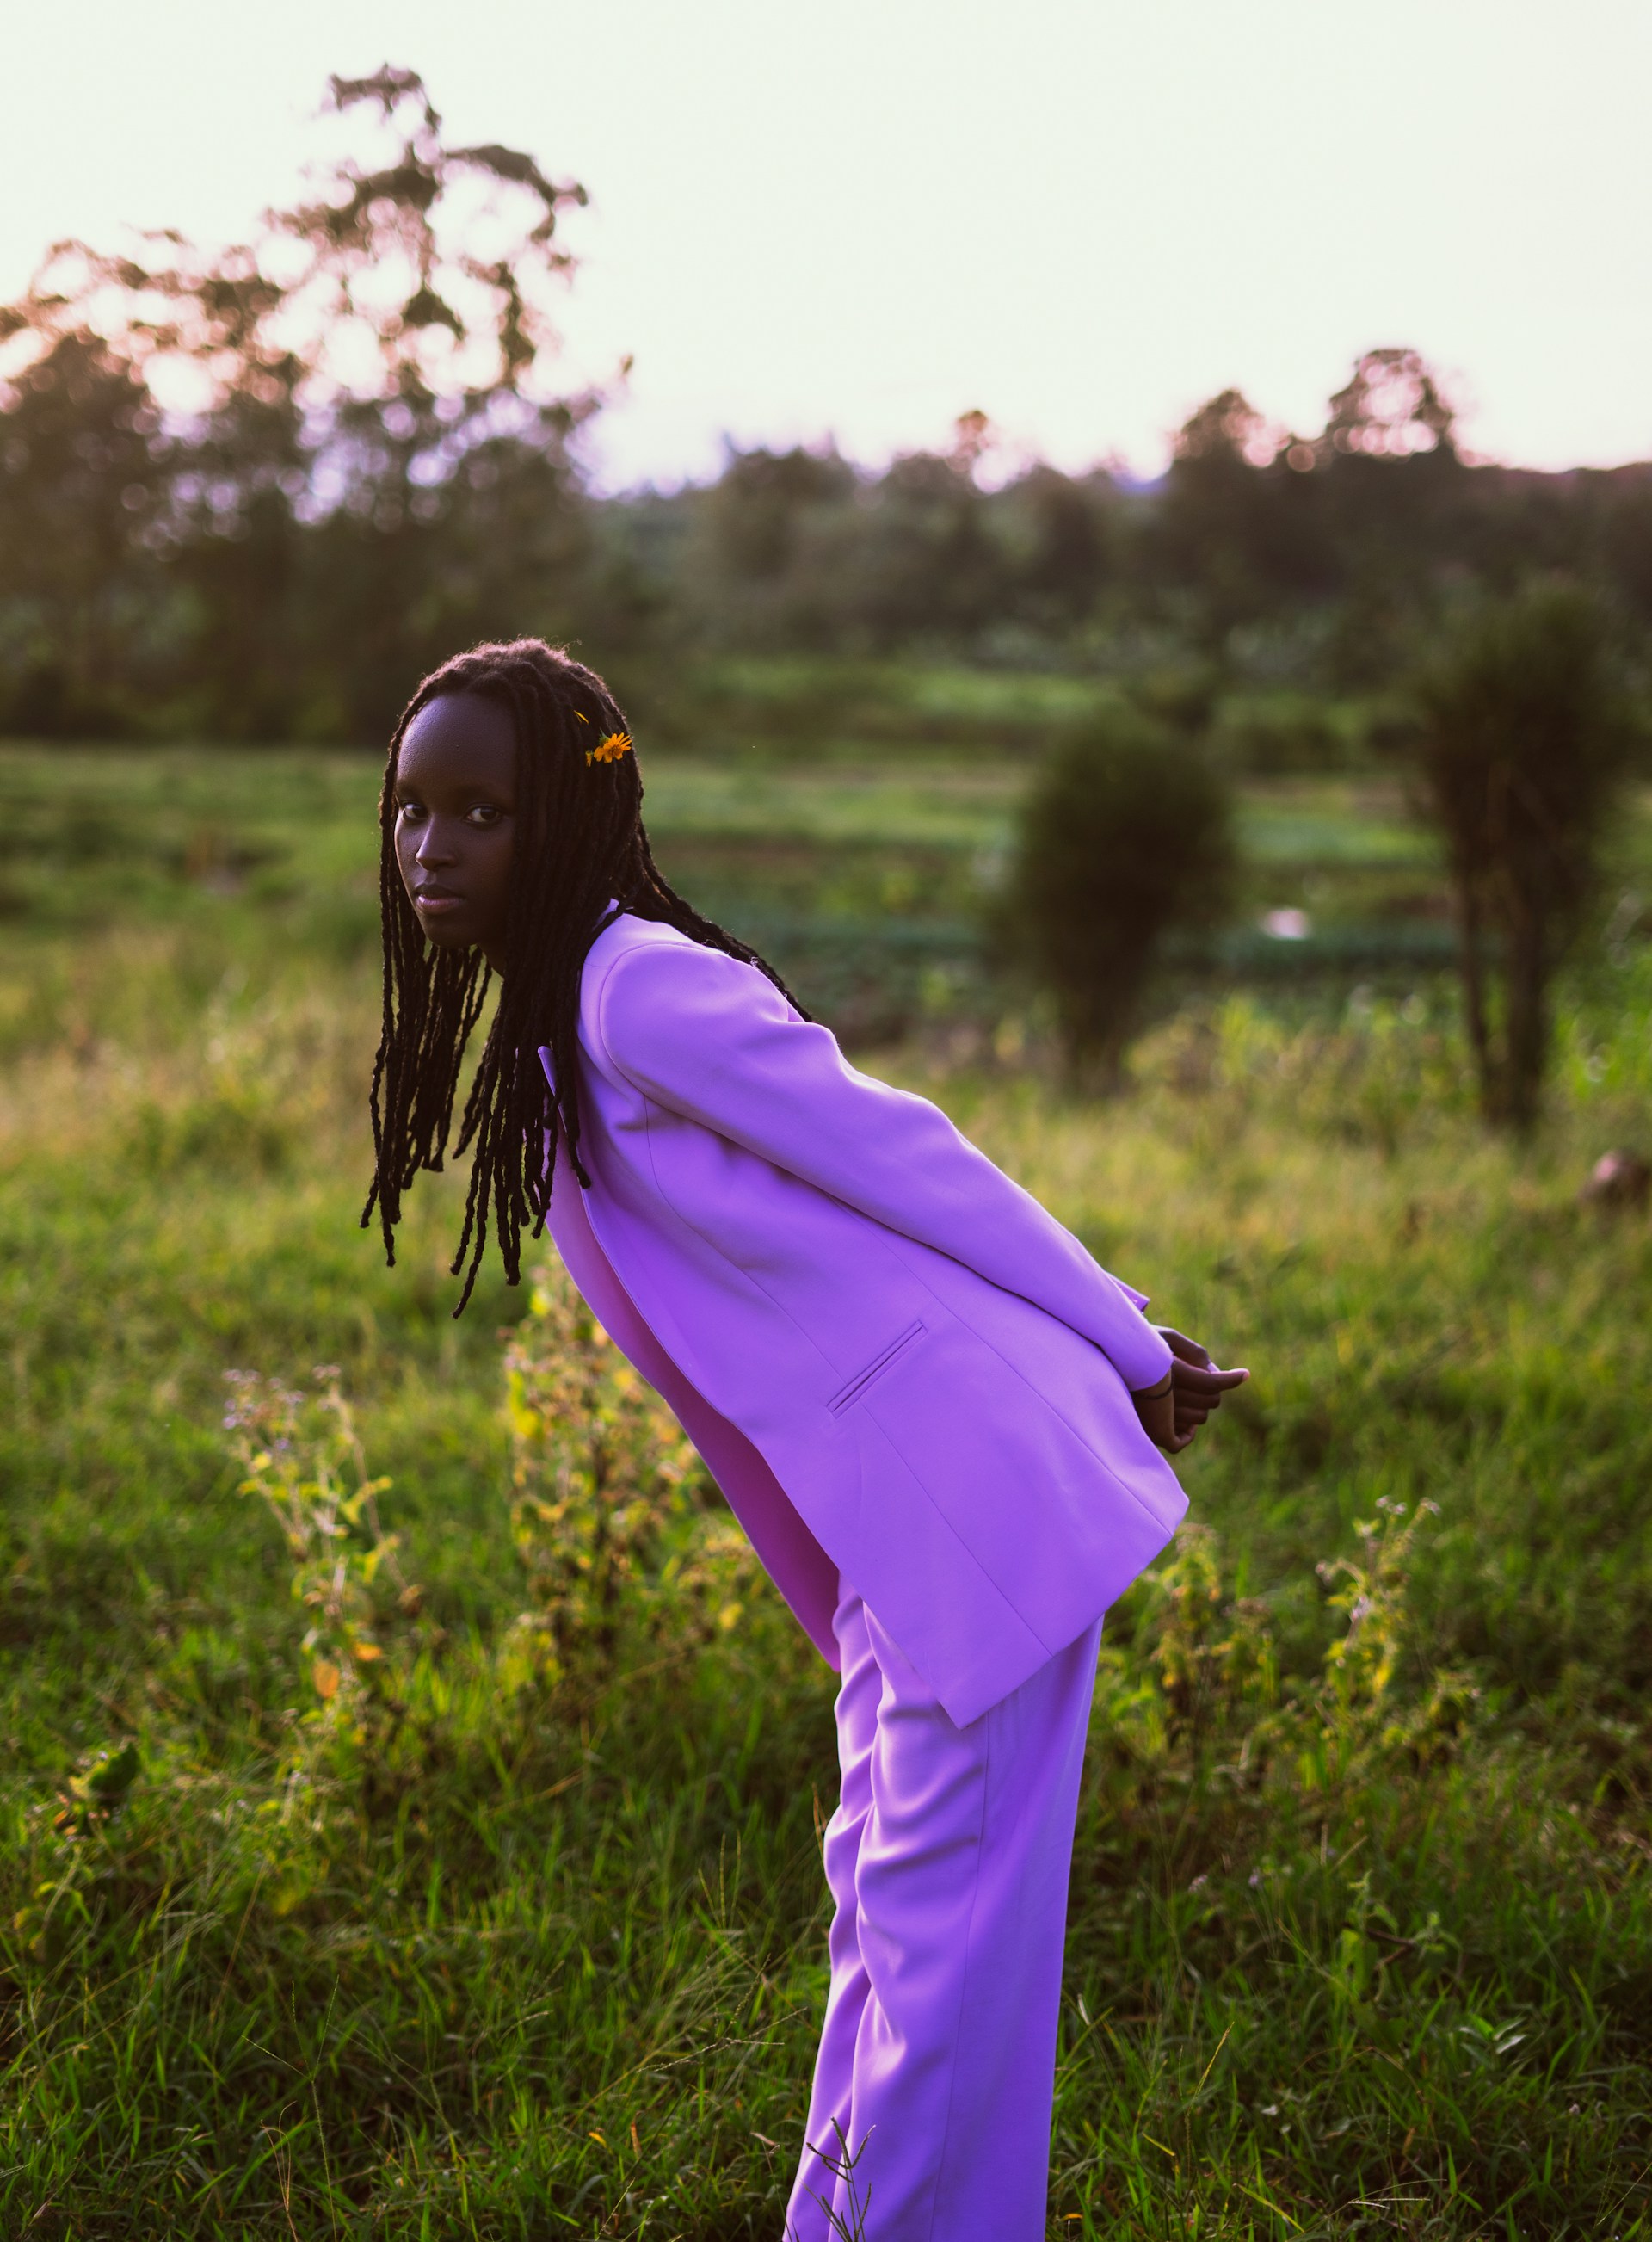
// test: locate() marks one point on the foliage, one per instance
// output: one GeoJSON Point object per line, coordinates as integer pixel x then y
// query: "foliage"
{"type": "Point", "coordinates": [1523, 736]}
{"type": "Point", "coordinates": [1370, 1707]}
{"type": "Point", "coordinates": [1218, 1687]}
{"type": "Point", "coordinates": [502, 1957]}
{"type": "Point", "coordinates": [610, 1516]}
{"type": "Point", "coordinates": [1391, 407]}
{"type": "Point", "coordinates": [1126, 837]}
{"type": "Point", "coordinates": [302, 1457]}
{"type": "Point", "coordinates": [92, 1797]}
{"type": "Point", "coordinates": [229, 473]}
{"type": "Point", "coordinates": [253, 491]}
{"type": "Point", "coordinates": [1280, 735]}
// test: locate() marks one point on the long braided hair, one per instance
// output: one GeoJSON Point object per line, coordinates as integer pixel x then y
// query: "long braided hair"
{"type": "Point", "coordinates": [580, 848]}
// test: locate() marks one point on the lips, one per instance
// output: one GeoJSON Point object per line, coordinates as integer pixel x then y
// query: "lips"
{"type": "Point", "coordinates": [433, 898]}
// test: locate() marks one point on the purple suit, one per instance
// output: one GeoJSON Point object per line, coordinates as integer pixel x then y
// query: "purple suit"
{"type": "Point", "coordinates": [913, 1386]}
{"type": "Point", "coordinates": [932, 1369]}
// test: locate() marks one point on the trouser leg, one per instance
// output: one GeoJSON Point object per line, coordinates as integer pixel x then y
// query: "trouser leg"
{"type": "Point", "coordinates": [953, 1980]}
{"type": "Point", "coordinates": [831, 2102]}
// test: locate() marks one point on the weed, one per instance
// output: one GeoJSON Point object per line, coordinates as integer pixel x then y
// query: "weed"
{"type": "Point", "coordinates": [304, 1459]}
{"type": "Point", "coordinates": [521, 1930]}
{"type": "Point", "coordinates": [611, 1517]}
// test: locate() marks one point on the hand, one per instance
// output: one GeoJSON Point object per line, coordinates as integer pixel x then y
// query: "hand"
{"type": "Point", "coordinates": [1172, 1412]}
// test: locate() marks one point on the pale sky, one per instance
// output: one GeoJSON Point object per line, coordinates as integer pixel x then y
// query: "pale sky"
{"type": "Point", "coordinates": [1083, 217]}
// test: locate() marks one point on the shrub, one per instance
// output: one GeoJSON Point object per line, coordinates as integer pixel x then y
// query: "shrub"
{"type": "Point", "coordinates": [612, 1519]}
{"type": "Point", "coordinates": [1126, 838]}
{"type": "Point", "coordinates": [303, 1457]}
{"type": "Point", "coordinates": [1523, 735]}
{"type": "Point", "coordinates": [1280, 738]}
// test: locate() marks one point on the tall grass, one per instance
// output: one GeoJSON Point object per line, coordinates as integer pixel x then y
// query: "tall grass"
{"type": "Point", "coordinates": [485, 1898]}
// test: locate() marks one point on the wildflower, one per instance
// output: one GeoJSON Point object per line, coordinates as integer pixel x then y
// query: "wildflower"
{"type": "Point", "coordinates": [610, 748]}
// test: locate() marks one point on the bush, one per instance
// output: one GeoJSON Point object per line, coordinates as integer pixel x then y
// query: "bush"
{"type": "Point", "coordinates": [621, 1534]}
{"type": "Point", "coordinates": [1524, 733]}
{"type": "Point", "coordinates": [1126, 837]}
{"type": "Point", "coordinates": [1280, 739]}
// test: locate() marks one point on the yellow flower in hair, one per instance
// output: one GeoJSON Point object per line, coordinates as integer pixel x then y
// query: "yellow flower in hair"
{"type": "Point", "coordinates": [610, 748]}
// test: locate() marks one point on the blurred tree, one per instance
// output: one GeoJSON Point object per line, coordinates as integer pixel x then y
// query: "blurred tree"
{"type": "Point", "coordinates": [1391, 407]}
{"type": "Point", "coordinates": [1523, 735]}
{"type": "Point", "coordinates": [928, 572]}
{"type": "Point", "coordinates": [974, 440]}
{"type": "Point", "coordinates": [363, 398]}
{"type": "Point", "coordinates": [1061, 546]}
{"type": "Point", "coordinates": [1126, 837]}
{"type": "Point", "coordinates": [1234, 522]}
{"type": "Point", "coordinates": [1397, 508]}
{"type": "Point", "coordinates": [761, 572]}
{"type": "Point", "coordinates": [1626, 535]}
{"type": "Point", "coordinates": [757, 504]}
{"type": "Point", "coordinates": [1227, 431]}
{"type": "Point", "coordinates": [254, 491]}
{"type": "Point", "coordinates": [82, 485]}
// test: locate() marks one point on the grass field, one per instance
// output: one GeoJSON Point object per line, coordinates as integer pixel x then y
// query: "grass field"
{"type": "Point", "coordinates": [861, 870]}
{"type": "Point", "coordinates": [468, 1939]}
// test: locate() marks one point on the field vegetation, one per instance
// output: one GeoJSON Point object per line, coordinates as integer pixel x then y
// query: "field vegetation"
{"type": "Point", "coordinates": [410, 1794]}
{"type": "Point", "coordinates": [278, 559]}
{"type": "Point", "coordinates": [412, 1829]}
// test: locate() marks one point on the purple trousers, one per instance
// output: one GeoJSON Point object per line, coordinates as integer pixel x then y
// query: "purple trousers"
{"type": "Point", "coordinates": [948, 1860]}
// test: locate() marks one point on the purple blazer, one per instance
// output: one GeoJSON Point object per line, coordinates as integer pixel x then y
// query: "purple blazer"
{"type": "Point", "coordinates": [897, 1365]}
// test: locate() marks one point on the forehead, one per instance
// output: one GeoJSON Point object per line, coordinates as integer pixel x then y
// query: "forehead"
{"type": "Point", "coordinates": [459, 739]}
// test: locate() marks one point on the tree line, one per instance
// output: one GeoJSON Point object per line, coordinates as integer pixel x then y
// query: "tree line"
{"type": "Point", "coordinates": [250, 492]}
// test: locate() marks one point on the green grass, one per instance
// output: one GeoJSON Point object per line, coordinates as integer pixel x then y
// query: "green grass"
{"type": "Point", "coordinates": [863, 873]}
{"type": "Point", "coordinates": [479, 1953]}
{"type": "Point", "coordinates": [810, 702]}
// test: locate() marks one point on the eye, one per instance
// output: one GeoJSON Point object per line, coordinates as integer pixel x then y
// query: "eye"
{"type": "Point", "coordinates": [407, 812]}
{"type": "Point", "coordinates": [485, 813]}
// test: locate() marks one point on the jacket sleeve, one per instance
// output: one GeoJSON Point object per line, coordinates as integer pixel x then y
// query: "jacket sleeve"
{"type": "Point", "coordinates": [712, 1039]}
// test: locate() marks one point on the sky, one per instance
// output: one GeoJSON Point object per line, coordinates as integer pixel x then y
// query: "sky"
{"type": "Point", "coordinates": [857, 221]}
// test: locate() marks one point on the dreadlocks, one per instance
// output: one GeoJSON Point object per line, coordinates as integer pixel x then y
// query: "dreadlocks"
{"type": "Point", "coordinates": [580, 849]}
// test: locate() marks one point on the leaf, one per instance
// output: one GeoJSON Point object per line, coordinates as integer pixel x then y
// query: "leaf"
{"type": "Point", "coordinates": [99, 1792]}
{"type": "Point", "coordinates": [111, 1780]}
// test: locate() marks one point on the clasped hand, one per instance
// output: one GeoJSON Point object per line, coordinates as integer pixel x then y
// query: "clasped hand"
{"type": "Point", "coordinates": [1172, 1412]}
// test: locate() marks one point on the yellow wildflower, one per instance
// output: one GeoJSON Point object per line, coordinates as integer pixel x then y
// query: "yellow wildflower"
{"type": "Point", "coordinates": [610, 748]}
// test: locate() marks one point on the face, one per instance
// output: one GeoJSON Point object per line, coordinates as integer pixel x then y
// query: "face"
{"type": "Point", "coordinates": [455, 796]}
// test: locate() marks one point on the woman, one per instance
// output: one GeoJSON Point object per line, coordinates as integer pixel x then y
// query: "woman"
{"type": "Point", "coordinates": [939, 1421]}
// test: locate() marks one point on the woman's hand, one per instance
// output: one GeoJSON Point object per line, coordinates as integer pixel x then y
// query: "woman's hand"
{"type": "Point", "coordinates": [1172, 1412]}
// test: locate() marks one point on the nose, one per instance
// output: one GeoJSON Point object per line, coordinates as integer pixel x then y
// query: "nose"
{"type": "Point", "coordinates": [435, 845]}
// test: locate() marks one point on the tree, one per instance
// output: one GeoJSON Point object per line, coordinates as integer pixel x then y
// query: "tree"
{"type": "Point", "coordinates": [1126, 837]}
{"type": "Point", "coordinates": [1391, 407]}
{"type": "Point", "coordinates": [81, 488]}
{"type": "Point", "coordinates": [1523, 733]}
{"type": "Point", "coordinates": [1059, 545]}
{"type": "Point", "coordinates": [760, 570]}
{"type": "Point", "coordinates": [1233, 521]}
{"type": "Point", "coordinates": [336, 420]}
{"type": "Point", "coordinates": [1395, 502]}
{"type": "Point", "coordinates": [926, 572]}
